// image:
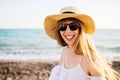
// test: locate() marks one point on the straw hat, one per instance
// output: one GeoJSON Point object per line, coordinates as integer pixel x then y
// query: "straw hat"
{"type": "Point", "coordinates": [72, 12]}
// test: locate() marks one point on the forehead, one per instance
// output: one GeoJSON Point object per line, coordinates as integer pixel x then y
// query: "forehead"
{"type": "Point", "coordinates": [67, 21]}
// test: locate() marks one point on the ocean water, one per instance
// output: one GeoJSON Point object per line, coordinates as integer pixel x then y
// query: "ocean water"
{"type": "Point", "coordinates": [34, 44]}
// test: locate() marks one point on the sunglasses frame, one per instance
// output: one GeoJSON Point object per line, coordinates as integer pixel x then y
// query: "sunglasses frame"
{"type": "Point", "coordinates": [72, 26]}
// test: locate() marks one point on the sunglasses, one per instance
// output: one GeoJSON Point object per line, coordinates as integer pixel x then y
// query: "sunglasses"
{"type": "Point", "coordinates": [72, 27]}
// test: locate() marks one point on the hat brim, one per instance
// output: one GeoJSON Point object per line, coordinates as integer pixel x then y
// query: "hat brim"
{"type": "Point", "coordinates": [51, 20]}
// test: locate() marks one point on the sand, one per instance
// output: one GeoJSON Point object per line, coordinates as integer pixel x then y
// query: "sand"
{"type": "Point", "coordinates": [31, 70]}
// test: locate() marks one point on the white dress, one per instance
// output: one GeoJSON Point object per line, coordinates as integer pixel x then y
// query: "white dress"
{"type": "Point", "coordinates": [59, 72]}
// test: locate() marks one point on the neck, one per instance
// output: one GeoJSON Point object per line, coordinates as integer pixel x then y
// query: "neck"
{"type": "Point", "coordinates": [70, 46]}
{"type": "Point", "coordinates": [71, 50]}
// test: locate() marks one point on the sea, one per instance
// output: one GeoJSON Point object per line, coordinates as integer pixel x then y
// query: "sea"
{"type": "Point", "coordinates": [34, 44]}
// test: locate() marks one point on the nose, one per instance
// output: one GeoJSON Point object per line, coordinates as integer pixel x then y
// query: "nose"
{"type": "Point", "coordinates": [68, 29]}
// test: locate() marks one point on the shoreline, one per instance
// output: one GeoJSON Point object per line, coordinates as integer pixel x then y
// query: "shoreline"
{"type": "Point", "coordinates": [32, 69]}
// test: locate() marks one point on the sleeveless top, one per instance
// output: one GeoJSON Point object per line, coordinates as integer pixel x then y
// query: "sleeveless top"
{"type": "Point", "coordinates": [59, 72]}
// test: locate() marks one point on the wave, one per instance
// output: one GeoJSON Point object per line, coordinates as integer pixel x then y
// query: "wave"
{"type": "Point", "coordinates": [35, 41]}
{"type": "Point", "coordinates": [116, 47]}
{"type": "Point", "coordinates": [108, 47]}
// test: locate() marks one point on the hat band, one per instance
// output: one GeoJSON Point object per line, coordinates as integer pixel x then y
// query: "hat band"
{"type": "Point", "coordinates": [68, 12]}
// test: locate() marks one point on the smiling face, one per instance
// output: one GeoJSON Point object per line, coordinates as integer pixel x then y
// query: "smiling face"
{"type": "Point", "coordinates": [69, 32]}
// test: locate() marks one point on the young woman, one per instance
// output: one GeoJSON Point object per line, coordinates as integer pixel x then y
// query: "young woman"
{"type": "Point", "coordinates": [79, 59]}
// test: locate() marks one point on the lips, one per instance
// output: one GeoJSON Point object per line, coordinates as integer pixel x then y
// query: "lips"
{"type": "Point", "coordinates": [69, 37]}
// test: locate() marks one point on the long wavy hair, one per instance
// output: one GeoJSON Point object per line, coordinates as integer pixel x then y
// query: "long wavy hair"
{"type": "Point", "coordinates": [84, 46]}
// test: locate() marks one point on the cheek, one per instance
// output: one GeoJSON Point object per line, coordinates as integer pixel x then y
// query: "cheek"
{"type": "Point", "coordinates": [61, 33]}
{"type": "Point", "coordinates": [77, 32]}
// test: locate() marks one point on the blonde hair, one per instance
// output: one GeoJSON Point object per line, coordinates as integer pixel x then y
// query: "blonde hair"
{"type": "Point", "coordinates": [83, 46]}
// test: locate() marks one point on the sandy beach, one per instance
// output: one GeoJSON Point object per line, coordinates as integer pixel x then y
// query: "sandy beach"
{"type": "Point", "coordinates": [31, 70]}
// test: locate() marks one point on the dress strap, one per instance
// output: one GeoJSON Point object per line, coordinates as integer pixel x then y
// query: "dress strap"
{"type": "Point", "coordinates": [63, 53]}
{"type": "Point", "coordinates": [81, 57]}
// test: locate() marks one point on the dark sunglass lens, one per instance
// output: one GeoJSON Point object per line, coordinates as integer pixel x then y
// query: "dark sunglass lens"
{"type": "Point", "coordinates": [73, 27]}
{"type": "Point", "coordinates": [62, 28]}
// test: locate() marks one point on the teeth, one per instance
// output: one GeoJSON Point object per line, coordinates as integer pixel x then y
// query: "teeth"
{"type": "Point", "coordinates": [69, 37]}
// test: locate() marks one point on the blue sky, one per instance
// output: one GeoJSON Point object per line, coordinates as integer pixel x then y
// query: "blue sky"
{"type": "Point", "coordinates": [31, 13]}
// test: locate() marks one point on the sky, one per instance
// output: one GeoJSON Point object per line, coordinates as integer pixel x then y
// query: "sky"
{"type": "Point", "coordinates": [31, 13]}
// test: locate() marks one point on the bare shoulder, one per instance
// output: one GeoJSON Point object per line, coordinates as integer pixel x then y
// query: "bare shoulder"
{"type": "Point", "coordinates": [91, 69]}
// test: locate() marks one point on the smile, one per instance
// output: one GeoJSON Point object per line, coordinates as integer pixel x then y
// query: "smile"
{"type": "Point", "coordinates": [69, 37]}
